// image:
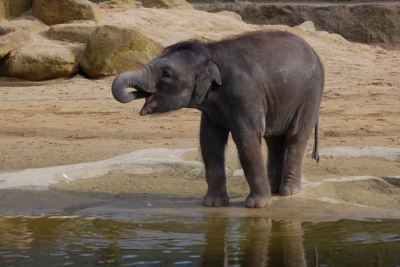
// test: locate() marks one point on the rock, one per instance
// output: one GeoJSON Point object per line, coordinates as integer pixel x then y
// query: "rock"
{"type": "Point", "coordinates": [360, 22]}
{"type": "Point", "coordinates": [118, 4]}
{"type": "Point", "coordinates": [113, 49]}
{"type": "Point", "coordinates": [61, 11]}
{"type": "Point", "coordinates": [177, 4]}
{"type": "Point", "coordinates": [75, 32]}
{"type": "Point", "coordinates": [17, 7]}
{"type": "Point", "coordinates": [230, 14]}
{"type": "Point", "coordinates": [43, 62]}
{"type": "Point", "coordinates": [5, 48]}
{"type": "Point", "coordinates": [3, 9]}
{"type": "Point", "coordinates": [27, 23]}
{"type": "Point", "coordinates": [13, 7]}
{"type": "Point", "coordinates": [308, 26]}
{"type": "Point", "coordinates": [13, 41]}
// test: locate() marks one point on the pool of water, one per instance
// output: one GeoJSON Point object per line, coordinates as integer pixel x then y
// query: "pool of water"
{"type": "Point", "coordinates": [196, 241]}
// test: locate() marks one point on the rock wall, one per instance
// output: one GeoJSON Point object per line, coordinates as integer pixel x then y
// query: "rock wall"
{"type": "Point", "coordinates": [366, 23]}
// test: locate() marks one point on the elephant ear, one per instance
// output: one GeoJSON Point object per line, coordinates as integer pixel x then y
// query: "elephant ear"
{"type": "Point", "coordinates": [208, 77]}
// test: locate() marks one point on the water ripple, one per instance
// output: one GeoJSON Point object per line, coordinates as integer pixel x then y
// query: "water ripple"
{"type": "Point", "coordinates": [63, 241]}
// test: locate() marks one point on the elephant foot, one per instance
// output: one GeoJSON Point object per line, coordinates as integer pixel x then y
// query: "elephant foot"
{"type": "Point", "coordinates": [290, 189]}
{"type": "Point", "coordinates": [274, 180]}
{"type": "Point", "coordinates": [258, 201]}
{"type": "Point", "coordinates": [215, 200]}
{"type": "Point", "coordinates": [274, 185]}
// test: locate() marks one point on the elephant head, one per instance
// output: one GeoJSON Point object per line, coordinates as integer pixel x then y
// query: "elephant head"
{"type": "Point", "coordinates": [181, 77]}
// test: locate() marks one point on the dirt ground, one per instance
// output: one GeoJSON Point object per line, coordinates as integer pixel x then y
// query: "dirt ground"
{"type": "Point", "coordinates": [76, 120]}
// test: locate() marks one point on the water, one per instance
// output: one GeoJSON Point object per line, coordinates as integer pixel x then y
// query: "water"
{"type": "Point", "coordinates": [196, 241]}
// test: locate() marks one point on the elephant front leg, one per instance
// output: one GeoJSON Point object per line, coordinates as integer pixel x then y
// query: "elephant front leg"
{"type": "Point", "coordinates": [213, 142]}
{"type": "Point", "coordinates": [251, 159]}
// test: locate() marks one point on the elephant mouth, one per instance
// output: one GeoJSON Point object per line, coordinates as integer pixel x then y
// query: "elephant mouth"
{"type": "Point", "coordinates": [147, 107]}
{"type": "Point", "coordinates": [149, 97]}
{"type": "Point", "coordinates": [141, 94]}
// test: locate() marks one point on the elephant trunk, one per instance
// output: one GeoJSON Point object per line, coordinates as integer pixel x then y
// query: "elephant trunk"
{"type": "Point", "coordinates": [127, 79]}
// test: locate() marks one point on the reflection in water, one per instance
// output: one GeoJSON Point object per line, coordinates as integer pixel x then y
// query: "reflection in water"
{"type": "Point", "coordinates": [215, 249]}
{"type": "Point", "coordinates": [288, 250]}
{"type": "Point", "coordinates": [91, 241]}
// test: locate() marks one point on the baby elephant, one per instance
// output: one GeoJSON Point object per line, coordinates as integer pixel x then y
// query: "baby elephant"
{"type": "Point", "coordinates": [265, 84]}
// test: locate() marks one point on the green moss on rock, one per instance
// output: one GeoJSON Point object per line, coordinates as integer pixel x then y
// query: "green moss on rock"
{"type": "Point", "coordinates": [113, 49]}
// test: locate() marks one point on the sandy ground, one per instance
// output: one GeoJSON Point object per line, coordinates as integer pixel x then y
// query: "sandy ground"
{"type": "Point", "coordinates": [76, 120]}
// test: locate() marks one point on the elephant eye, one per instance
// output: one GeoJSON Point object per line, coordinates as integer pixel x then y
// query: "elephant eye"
{"type": "Point", "coordinates": [166, 74]}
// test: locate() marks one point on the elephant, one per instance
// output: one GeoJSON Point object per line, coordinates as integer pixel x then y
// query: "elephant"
{"type": "Point", "coordinates": [257, 85]}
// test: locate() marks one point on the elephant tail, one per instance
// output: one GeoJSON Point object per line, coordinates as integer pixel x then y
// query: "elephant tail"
{"type": "Point", "coordinates": [315, 154]}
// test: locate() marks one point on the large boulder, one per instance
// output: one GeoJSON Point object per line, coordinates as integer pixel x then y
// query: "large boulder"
{"type": "Point", "coordinates": [60, 11]}
{"type": "Point", "coordinates": [74, 32]}
{"type": "Point", "coordinates": [13, 7]}
{"type": "Point", "coordinates": [27, 23]}
{"type": "Point", "coordinates": [113, 49]}
{"type": "Point", "coordinates": [44, 62]}
{"type": "Point", "coordinates": [14, 40]}
{"type": "Point", "coordinates": [177, 4]}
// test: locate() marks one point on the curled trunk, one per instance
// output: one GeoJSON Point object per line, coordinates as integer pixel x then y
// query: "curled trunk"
{"type": "Point", "coordinates": [134, 79]}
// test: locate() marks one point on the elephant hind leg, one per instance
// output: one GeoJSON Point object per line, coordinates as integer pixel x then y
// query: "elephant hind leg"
{"type": "Point", "coordinates": [284, 164]}
{"type": "Point", "coordinates": [296, 140]}
{"type": "Point", "coordinates": [296, 145]}
{"type": "Point", "coordinates": [276, 160]}
{"type": "Point", "coordinates": [291, 175]}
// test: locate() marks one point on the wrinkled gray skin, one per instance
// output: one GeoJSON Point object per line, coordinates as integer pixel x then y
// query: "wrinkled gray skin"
{"type": "Point", "coordinates": [259, 85]}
